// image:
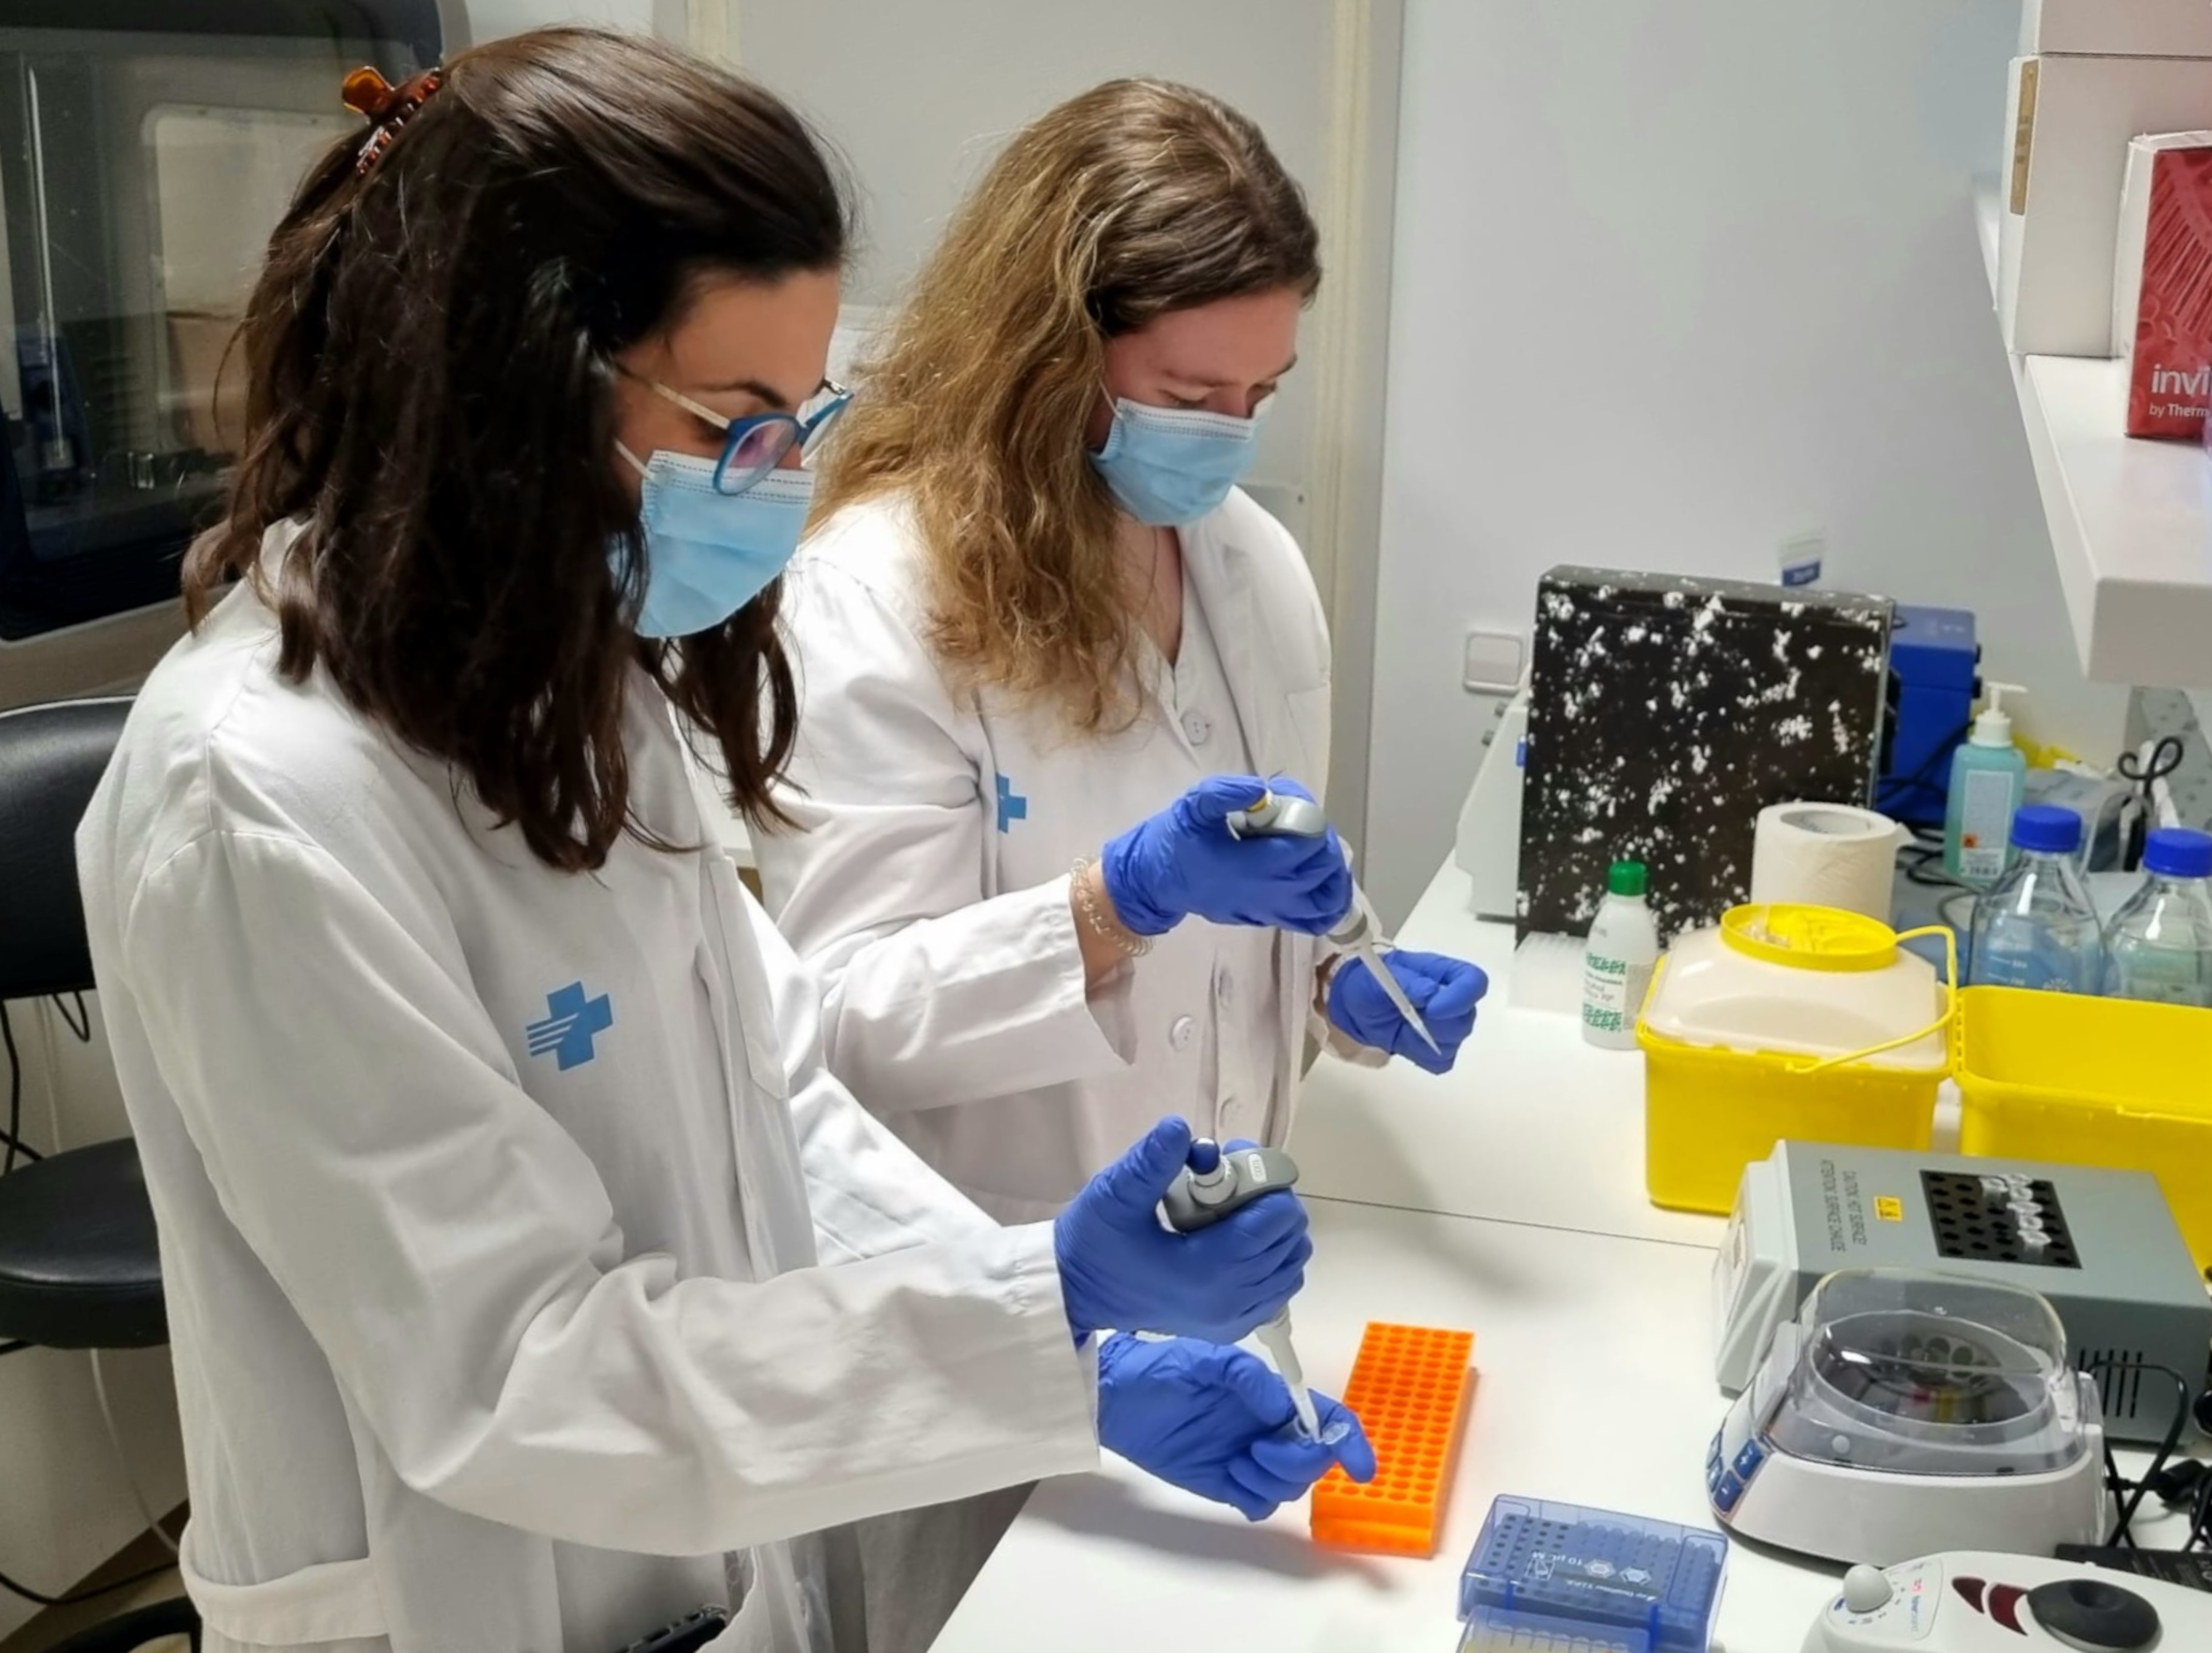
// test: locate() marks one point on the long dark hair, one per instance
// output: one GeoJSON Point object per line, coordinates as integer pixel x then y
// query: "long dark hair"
{"type": "Point", "coordinates": [429, 355]}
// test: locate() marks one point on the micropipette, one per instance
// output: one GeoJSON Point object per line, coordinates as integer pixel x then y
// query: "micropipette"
{"type": "Point", "coordinates": [1275, 1338]}
{"type": "Point", "coordinates": [1286, 815]}
{"type": "Point", "coordinates": [1212, 1184]}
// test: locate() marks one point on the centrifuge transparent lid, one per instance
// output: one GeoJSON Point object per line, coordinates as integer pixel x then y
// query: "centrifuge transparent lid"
{"type": "Point", "coordinates": [1929, 1374]}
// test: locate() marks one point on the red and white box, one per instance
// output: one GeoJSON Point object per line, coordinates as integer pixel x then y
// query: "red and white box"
{"type": "Point", "coordinates": [2162, 284]}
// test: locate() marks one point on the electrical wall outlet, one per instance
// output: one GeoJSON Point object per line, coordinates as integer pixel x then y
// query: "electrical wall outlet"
{"type": "Point", "coordinates": [1491, 663]}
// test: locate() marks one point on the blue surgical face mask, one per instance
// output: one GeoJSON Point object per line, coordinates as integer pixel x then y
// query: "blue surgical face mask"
{"type": "Point", "coordinates": [708, 553]}
{"type": "Point", "coordinates": [1169, 466]}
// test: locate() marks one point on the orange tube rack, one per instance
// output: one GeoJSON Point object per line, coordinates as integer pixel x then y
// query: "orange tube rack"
{"type": "Point", "coordinates": [1408, 1389]}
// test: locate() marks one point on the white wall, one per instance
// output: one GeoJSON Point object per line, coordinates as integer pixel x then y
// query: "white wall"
{"type": "Point", "coordinates": [920, 97]}
{"type": "Point", "coordinates": [1675, 281]}
{"type": "Point", "coordinates": [490, 19]}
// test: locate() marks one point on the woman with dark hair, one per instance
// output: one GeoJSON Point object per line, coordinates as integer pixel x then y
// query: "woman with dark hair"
{"type": "Point", "coordinates": [1047, 647]}
{"type": "Point", "coordinates": [531, 1281]}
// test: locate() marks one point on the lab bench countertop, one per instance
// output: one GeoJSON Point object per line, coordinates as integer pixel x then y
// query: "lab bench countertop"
{"type": "Point", "coordinates": [1593, 1385]}
{"type": "Point", "coordinates": [1505, 1198]}
{"type": "Point", "coordinates": [1532, 1125]}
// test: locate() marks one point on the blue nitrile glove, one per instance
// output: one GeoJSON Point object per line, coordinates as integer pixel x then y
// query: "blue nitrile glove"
{"type": "Point", "coordinates": [1218, 1422]}
{"type": "Point", "coordinates": [1444, 990]}
{"type": "Point", "coordinates": [1183, 862]}
{"type": "Point", "coordinates": [1122, 1268]}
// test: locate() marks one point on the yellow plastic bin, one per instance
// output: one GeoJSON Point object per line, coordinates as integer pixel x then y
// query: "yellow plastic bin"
{"type": "Point", "coordinates": [1805, 1023]}
{"type": "Point", "coordinates": [2093, 1082]}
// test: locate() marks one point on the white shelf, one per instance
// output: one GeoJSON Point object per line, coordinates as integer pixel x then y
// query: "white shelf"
{"type": "Point", "coordinates": [2130, 521]}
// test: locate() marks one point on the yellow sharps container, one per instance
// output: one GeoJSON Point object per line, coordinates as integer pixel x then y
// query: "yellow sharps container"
{"type": "Point", "coordinates": [1805, 1023]}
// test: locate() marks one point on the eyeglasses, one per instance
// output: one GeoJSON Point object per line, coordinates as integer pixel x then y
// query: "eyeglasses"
{"type": "Point", "coordinates": [757, 444]}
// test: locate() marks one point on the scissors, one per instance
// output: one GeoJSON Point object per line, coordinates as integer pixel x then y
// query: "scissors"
{"type": "Point", "coordinates": [1286, 815]}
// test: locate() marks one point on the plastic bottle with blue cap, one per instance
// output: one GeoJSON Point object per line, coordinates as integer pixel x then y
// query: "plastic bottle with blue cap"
{"type": "Point", "coordinates": [2036, 928]}
{"type": "Point", "coordinates": [2159, 946]}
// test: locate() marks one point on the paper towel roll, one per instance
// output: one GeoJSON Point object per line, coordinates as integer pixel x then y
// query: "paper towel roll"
{"type": "Point", "coordinates": [1825, 855]}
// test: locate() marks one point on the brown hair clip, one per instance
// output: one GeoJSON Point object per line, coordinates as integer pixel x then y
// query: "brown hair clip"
{"type": "Point", "coordinates": [387, 107]}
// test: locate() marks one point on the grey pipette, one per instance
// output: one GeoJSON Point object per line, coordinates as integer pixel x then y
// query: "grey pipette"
{"type": "Point", "coordinates": [1275, 1338]}
{"type": "Point", "coordinates": [1286, 815]}
{"type": "Point", "coordinates": [1216, 1182]}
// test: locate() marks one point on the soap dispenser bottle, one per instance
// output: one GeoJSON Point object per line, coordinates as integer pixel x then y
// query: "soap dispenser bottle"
{"type": "Point", "coordinates": [1989, 776]}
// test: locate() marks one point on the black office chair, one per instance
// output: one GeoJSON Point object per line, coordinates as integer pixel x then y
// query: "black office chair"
{"type": "Point", "coordinates": [79, 1267]}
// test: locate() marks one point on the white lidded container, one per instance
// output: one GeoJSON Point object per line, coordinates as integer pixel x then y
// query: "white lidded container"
{"type": "Point", "coordinates": [1718, 992]}
{"type": "Point", "coordinates": [1808, 1023]}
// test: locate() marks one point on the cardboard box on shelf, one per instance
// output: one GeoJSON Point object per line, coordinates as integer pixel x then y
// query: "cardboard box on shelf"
{"type": "Point", "coordinates": [2128, 28]}
{"type": "Point", "coordinates": [2070, 121]}
{"type": "Point", "coordinates": [2162, 284]}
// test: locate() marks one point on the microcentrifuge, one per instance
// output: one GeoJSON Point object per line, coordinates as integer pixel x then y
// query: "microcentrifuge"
{"type": "Point", "coordinates": [1901, 1413]}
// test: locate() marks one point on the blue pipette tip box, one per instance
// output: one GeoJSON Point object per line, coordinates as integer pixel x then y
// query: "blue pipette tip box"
{"type": "Point", "coordinates": [1560, 1576]}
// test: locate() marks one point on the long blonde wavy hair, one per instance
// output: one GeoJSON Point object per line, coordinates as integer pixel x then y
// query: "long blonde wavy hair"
{"type": "Point", "coordinates": [1135, 198]}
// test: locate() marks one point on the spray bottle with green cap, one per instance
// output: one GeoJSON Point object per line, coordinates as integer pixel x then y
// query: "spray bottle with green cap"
{"type": "Point", "coordinates": [1624, 946]}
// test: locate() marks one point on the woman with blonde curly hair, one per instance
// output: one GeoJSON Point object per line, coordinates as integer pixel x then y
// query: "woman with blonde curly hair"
{"type": "Point", "coordinates": [1047, 648]}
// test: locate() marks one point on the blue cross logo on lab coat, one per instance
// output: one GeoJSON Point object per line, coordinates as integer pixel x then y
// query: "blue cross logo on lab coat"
{"type": "Point", "coordinates": [1012, 807]}
{"type": "Point", "coordinates": [575, 1021]}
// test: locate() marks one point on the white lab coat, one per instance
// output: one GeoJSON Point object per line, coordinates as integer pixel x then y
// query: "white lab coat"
{"type": "Point", "coordinates": [495, 1310]}
{"type": "Point", "coordinates": [956, 1005]}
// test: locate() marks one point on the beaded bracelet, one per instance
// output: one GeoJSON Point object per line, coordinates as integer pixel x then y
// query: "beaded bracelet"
{"type": "Point", "coordinates": [1132, 944]}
